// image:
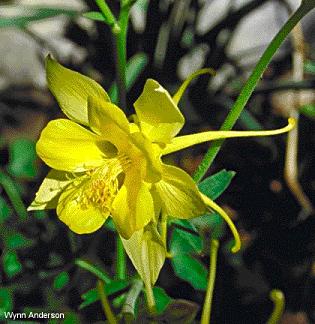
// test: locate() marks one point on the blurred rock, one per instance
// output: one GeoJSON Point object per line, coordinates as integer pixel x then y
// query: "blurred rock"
{"type": "Point", "coordinates": [294, 318]}
{"type": "Point", "coordinates": [255, 31]}
{"type": "Point", "coordinates": [22, 56]}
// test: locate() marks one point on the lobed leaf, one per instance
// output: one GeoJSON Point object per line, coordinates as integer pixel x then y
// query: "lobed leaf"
{"type": "Point", "coordinates": [216, 184]}
{"type": "Point", "coordinates": [191, 270]}
{"type": "Point", "coordinates": [162, 299]}
{"type": "Point", "coordinates": [91, 296]}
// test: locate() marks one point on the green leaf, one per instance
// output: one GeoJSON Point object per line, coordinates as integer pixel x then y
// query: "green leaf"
{"type": "Point", "coordinates": [95, 15]}
{"type": "Point", "coordinates": [17, 241]}
{"type": "Point", "coordinates": [30, 14]}
{"type": "Point", "coordinates": [191, 270]}
{"type": "Point", "coordinates": [91, 296]}
{"type": "Point", "coordinates": [216, 184]}
{"type": "Point", "coordinates": [11, 264]}
{"type": "Point", "coordinates": [4, 210]}
{"type": "Point", "coordinates": [162, 299]}
{"type": "Point", "coordinates": [118, 301]}
{"type": "Point", "coordinates": [135, 67]}
{"type": "Point", "coordinates": [308, 110]}
{"type": "Point", "coordinates": [61, 280]}
{"type": "Point", "coordinates": [183, 242]}
{"type": "Point", "coordinates": [6, 302]}
{"type": "Point", "coordinates": [184, 224]}
{"type": "Point", "coordinates": [22, 156]}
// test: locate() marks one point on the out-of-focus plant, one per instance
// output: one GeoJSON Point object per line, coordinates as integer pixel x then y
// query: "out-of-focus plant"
{"type": "Point", "coordinates": [28, 14]}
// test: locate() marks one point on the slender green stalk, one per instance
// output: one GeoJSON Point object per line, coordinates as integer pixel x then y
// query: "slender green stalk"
{"type": "Point", "coordinates": [121, 259]}
{"type": "Point", "coordinates": [121, 55]}
{"type": "Point", "coordinates": [108, 15]}
{"type": "Point", "coordinates": [150, 298]}
{"type": "Point", "coordinates": [206, 311]}
{"type": "Point", "coordinates": [10, 188]}
{"type": "Point", "coordinates": [105, 303]}
{"type": "Point", "coordinates": [251, 83]}
{"type": "Point", "coordinates": [93, 269]}
{"type": "Point", "coordinates": [119, 31]}
{"type": "Point", "coordinates": [279, 302]}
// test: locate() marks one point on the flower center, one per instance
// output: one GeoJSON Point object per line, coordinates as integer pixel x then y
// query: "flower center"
{"type": "Point", "coordinates": [103, 184]}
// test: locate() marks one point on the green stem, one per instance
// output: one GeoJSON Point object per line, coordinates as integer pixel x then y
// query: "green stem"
{"type": "Point", "coordinates": [121, 55]}
{"type": "Point", "coordinates": [121, 259]}
{"type": "Point", "coordinates": [150, 298]}
{"type": "Point", "coordinates": [206, 311]}
{"type": "Point", "coordinates": [105, 303]}
{"type": "Point", "coordinates": [279, 302]}
{"type": "Point", "coordinates": [250, 85]}
{"type": "Point", "coordinates": [108, 15]}
{"type": "Point", "coordinates": [10, 188]}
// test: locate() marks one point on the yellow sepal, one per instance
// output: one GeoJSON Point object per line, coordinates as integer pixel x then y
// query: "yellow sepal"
{"type": "Point", "coordinates": [72, 89]}
{"type": "Point", "coordinates": [65, 145]}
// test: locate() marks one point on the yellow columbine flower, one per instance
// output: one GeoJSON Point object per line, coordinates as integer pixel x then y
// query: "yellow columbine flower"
{"type": "Point", "coordinates": [104, 165]}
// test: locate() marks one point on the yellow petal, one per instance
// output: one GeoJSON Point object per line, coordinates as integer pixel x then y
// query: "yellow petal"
{"type": "Point", "coordinates": [146, 253]}
{"type": "Point", "coordinates": [214, 207]}
{"type": "Point", "coordinates": [151, 153]}
{"type": "Point", "coordinates": [185, 141]}
{"type": "Point", "coordinates": [48, 193]}
{"type": "Point", "coordinates": [179, 194]}
{"type": "Point", "coordinates": [72, 89]}
{"type": "Point", "coordinates": [80, 219]}
{"type": "Point", "coordinates": [133, 206]}
{"type": "Point", "coordinates": [108, 120]}
{"type": "Point", "coordinates": [65, 145]}
{"type": "Point", "coordinates": [159, 117]}
{"type": "Point", "coordinates": [177, 96]}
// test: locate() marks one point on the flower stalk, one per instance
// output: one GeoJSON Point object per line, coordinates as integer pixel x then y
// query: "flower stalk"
{"type": "Point", "coordinates": [105, 303]}
{"type": "Point", "coordinates": [278, 299]}
{"type": "Point", "coordinates": [206, 311]}
{"type": "Point", "coordinates": [121, 259]}
{"type": "Point", "coordinates": [150, 298]}
{"type": "Point", "coordinates": [250, 85]}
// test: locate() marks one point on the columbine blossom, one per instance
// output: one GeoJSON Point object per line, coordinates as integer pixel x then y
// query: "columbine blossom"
{"type": "Point", "coordinates": [105, 165]}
